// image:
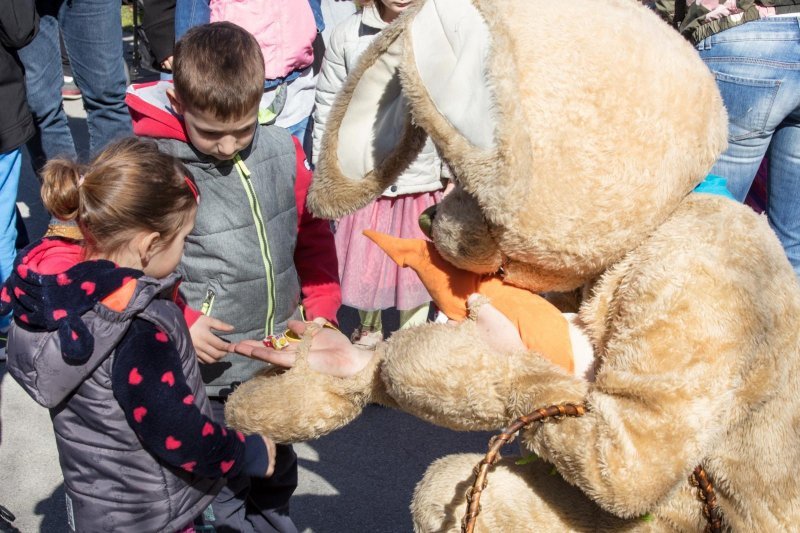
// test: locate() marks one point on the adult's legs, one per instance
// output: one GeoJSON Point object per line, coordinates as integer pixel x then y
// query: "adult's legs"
{"type": "Point", "coordinates": [757, 67]}
{"type": "Point", "coordinates": [92, 31]}
{"type": "Point", "coordinates": [44, 78]}
{"type": "Point", "coordinates": [783, 204]}
{"type": "Point", "coordinates": [189, 13]}
{"type": "Point", "coordinates": [752, 64]}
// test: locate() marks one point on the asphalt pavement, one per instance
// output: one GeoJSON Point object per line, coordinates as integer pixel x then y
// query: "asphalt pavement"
{"type": "Point", "coordinates": [358, 479]}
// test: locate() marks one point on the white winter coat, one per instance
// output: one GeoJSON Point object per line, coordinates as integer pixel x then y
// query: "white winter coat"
{"type": "Point", "coordinates": [347, 43]}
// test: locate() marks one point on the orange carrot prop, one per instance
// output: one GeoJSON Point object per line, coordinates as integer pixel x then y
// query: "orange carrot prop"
{"type": "Point", "coordinates": [541, 326]}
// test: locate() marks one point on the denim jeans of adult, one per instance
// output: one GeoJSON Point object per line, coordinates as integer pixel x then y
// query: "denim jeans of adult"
{"type": "Point", "coordinates": [10, 164]}
{"type": "Point", "coordinates": [92, 32]}
{"type": "Point", "coordinates": [190, 13]}
{"type": "Point", "coordinates": [757, 67]}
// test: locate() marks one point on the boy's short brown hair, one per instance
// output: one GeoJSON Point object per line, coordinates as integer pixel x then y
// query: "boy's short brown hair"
{"type": "Point", "coordinates": [218, 69]}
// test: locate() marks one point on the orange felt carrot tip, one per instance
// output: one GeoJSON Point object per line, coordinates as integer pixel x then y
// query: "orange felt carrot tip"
{"type": "Point", "coordinates": [541, 325]}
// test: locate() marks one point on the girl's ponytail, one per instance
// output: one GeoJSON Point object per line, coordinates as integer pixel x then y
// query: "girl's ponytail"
{"type": "Point", "coordinates": [60, 188]}
{"type": "Point", "coordinates": [130, 186]}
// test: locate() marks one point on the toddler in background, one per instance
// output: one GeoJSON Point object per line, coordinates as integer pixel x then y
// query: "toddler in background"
{"type": "Point", "coordinates": [370, 280]}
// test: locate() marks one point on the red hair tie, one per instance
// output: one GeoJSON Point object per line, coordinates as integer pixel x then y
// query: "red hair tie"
{"type": "Point", "coordinates": [193, 188]}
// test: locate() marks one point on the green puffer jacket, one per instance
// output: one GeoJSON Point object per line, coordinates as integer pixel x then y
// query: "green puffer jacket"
{"type": "Point", "coordinates": [698, 19]}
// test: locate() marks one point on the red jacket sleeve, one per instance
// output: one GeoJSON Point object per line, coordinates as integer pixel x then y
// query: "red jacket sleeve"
{"type": "Point", "coordinates": [315, 253]}
{"type": "Point", "coordinates": [189, 313]}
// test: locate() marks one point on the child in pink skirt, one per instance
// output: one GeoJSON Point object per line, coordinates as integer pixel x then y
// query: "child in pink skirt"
{"type": "Point", "coordinates": [370, 280]}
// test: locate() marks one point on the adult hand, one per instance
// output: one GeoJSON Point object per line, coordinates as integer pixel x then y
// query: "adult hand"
{"type": "Point", "coordinates": [331, 352]}
{"type": "Point", "coordinates": [271, 451]}
{"type": "Point", "coordinates": [167, 64]}
{"type": "Point", "coordinates": [208, 346]}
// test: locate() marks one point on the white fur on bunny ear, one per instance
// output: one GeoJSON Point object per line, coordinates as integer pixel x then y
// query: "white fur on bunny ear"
{"type": "Point", "coordinates": [375, 118]}
{"type": "Point", "coordinates": [451, 45]}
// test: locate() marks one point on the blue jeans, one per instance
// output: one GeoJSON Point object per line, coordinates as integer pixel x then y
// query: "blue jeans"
{"type": "Point", "coordinates": [92, 32]}
{"type": "Point", "coordinates": [757, 67]}
{"type": "Point", "coordinates": [190, 13]}
{"type": "Point", "coordinates": [10, 164]}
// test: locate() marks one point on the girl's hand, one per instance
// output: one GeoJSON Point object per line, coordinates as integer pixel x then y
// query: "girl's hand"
{"type": "Point", "coordinates": [331, 352]}
{"type": "Point", "coordinates": [208, 346]}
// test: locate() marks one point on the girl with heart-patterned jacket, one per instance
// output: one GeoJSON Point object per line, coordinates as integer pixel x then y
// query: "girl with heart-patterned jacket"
{"type": "Point", "coordinates": [100, 339]}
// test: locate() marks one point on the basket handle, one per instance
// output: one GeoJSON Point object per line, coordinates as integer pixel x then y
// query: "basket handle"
{"type": "Point", "coordinates": [498, 441]}
{"type": "Point", "coordinates": [699, 478]}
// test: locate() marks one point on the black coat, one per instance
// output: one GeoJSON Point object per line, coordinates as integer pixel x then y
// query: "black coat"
{"type": "Point", "coordinates": [158, 25]}
{"type": "Point", "coordinates": [18, 26]}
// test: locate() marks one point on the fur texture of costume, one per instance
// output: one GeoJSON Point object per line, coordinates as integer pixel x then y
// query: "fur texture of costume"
{"type": "Point", "coordinates": [581, 178]}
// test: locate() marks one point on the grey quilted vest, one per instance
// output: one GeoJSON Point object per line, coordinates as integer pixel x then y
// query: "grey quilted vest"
{"type": "Point", "coordinates": [238, 262]}
{"type": "Point", "coordinates": [111, 482]}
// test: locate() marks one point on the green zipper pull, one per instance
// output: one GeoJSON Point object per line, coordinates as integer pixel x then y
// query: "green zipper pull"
{"type": "Point", "coordinates": [208, 301]}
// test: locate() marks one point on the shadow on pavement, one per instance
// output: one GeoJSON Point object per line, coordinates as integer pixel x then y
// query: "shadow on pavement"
{"type": "Point", "coordinates": [53, 512]}
{"type": "Point", "coordinates": [52, 509]}
{"type": "Point", "coordinates": [373, 465]}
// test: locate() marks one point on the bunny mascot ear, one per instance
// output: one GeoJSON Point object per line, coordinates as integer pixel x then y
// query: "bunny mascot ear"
{"type": "Point", "coordinates": [445, 77]}
{"type": "Point", "coordinates": [372, 134]}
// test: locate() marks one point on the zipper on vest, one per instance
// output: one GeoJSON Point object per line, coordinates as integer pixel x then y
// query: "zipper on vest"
{"type": "Point", "coordinates": [261, 230]}
{"type": "Point", "coordinates": [268, 115]}
{"type": "Point", "coordinates": [208, 301]}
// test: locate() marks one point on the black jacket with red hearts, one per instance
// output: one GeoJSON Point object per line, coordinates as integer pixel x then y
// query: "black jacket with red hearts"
{"type": "Point", "coordinates": [107, 350]}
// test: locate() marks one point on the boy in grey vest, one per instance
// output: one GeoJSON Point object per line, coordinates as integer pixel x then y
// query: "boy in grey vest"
{"type": "Point", "coordinates": [255, 251]}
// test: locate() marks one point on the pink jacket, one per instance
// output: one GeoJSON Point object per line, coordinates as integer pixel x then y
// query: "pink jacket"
{"type": "Point", "coordinates": [285, 30]}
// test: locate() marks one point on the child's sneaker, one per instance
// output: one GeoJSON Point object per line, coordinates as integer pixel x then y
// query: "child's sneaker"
{"type": "Point", "coordinates": [366, 338]}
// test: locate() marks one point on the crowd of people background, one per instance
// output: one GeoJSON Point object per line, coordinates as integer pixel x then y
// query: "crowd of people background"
{"type": "Point", "coordinates": [202, 176]}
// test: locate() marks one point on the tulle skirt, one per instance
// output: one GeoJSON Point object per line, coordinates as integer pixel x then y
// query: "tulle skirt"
{"type": "Point", "coordinates": [370, 279]}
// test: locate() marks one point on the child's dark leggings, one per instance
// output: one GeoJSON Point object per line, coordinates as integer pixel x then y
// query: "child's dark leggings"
{"type": "Point", "coordinates": [248, 504]}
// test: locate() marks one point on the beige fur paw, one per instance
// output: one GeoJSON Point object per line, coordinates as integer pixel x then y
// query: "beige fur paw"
{"type": "Point", "coordinates": [299, 404]}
